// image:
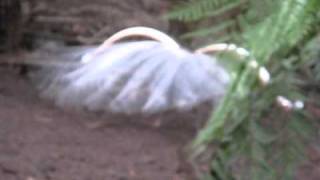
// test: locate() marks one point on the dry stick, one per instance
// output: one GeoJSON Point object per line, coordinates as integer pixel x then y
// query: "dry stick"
{"type": "Point", "coordinates": [57, 19]}
{"type": "Point", "coordinates": [27, 59]}
{"type": "Point", "coordinates": [87, 8]}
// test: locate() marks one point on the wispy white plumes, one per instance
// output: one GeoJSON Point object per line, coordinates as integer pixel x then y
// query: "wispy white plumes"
{"type": "Point", "coordinates": [139, 77]}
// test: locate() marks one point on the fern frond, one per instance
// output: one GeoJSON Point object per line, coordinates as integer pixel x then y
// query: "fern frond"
{"type": "Point", "coordinates": [283, 29]}
{"type": "Point", "coordinates": [198, 9]}
{"type": "Point", "coordinates": [276, 34]}
{"type": "Point", "coordinates": [210, 31]}
{"type": "Point", "coordinates": [243, 125]}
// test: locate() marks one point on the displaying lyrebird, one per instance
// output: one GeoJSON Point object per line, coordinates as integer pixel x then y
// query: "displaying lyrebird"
{"type": "Point", "coordinates": [145, 76]}
{"type": "Point", "coordinates": [138, 76]}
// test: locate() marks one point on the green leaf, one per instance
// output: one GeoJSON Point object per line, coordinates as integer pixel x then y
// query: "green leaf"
{"type": "Point", "coordinates": [261, 135]}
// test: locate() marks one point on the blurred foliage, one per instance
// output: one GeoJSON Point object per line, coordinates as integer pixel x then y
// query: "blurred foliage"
{"type": "Point", "coordinates": [236, 15]}
{"type": "Point", "coordinates": [248, 126]}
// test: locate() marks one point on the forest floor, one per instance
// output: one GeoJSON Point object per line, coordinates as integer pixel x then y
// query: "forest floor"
{"type": "Point", "coordinates": [41, 142]}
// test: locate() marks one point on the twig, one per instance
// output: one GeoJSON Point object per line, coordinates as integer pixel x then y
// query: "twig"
{"type": "Point", "coordinates": [57, 19]}
{"type": "Point", "coordinates": [28, 59]}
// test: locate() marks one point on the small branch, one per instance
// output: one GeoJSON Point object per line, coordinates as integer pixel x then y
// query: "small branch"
{"type": "Point", "coordinates": [28, 59]}
{"type": "Point", "coordinates": [57, 19]}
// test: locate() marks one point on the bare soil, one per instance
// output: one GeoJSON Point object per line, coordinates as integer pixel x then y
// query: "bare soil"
{"type": "Point", "coordinates": [41, 142]}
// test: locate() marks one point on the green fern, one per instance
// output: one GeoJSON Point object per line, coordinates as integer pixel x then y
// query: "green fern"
{"type": "Point", "coordinates": [210, 31]}
{"type": "Point", "coordinates": [281, 30]}
{"type": "Point", "coordinates": [253, 131]}
{"type": "Point", "coordinates": [198, 9]}
{"type": "Point", "coordinates": [271, 36]}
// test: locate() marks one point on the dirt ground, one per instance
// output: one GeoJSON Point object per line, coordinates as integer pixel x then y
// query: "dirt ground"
{"type": "Point", "coordinates": [41, 142]}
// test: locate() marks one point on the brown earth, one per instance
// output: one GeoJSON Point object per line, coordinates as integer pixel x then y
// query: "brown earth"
{"type": "Point", "coordinates": [41, 142]}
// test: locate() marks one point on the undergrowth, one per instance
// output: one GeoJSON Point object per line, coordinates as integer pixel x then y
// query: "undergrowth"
{"type": "Point", "coordinates": [248, 126]}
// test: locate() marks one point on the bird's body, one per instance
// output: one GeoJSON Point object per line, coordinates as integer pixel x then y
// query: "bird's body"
{"type": "Point", "coordinates": [135, 77]}
{"type": "Point", "coordinates": [129, 77]}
